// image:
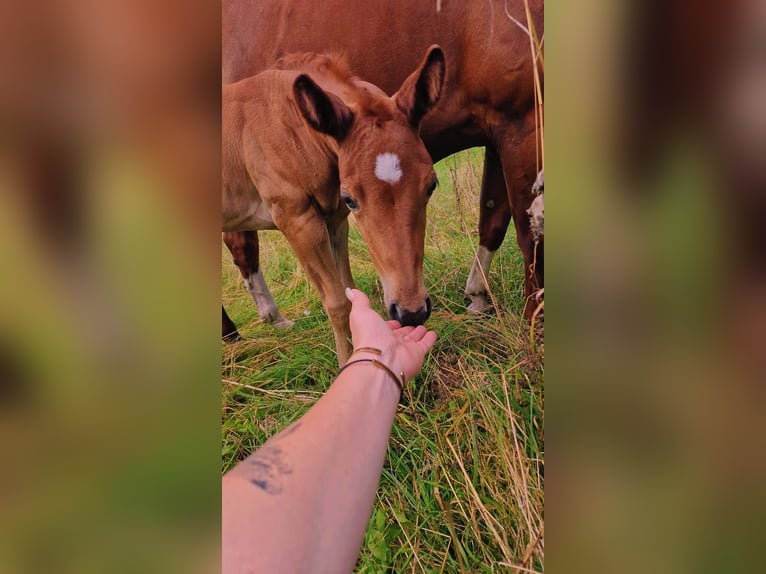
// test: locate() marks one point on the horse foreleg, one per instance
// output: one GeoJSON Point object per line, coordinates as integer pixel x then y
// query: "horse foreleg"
{"type": "Point", "coordinates": [243, 246]}
{"type": "Point", "coordinates": [310, 239]}
{"type": "Point", "coordinates": [494, 217]}
{"type": "Point", "coordinates": [518, 151]}
{"type": "Point", "coordinates": [339, 239]}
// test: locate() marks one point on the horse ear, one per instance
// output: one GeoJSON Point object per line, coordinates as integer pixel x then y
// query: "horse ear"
{"type": "Point", "coordinates": [421, 90]}
{"type": "Point", "coordinates": [325, 112]}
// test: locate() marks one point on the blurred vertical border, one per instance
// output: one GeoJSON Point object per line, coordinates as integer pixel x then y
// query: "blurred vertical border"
{"type": "Point", "coordinates": [110, 250]}
{"type": "Point", "coordinates": [656, 295]}
{"type": "Point", "coordinates": [656, 298]}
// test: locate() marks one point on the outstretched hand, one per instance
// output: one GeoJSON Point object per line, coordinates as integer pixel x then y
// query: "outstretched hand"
{"type": "Point", "coordinates": [402, 348]}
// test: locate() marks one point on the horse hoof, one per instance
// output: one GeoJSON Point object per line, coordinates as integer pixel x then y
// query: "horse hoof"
{"type": "Point", "coordinates": [274, 317]}
{"type": "Point", "coordinates": [232, 337]}
{"type": "Point", "coordinates": [479, 304]}
{"type": "Point", "coordinates": [283, 323]}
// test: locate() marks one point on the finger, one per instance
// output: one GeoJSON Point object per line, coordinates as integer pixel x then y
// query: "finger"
{"type": "Point", "coordinates": [358, 299]}
{"type": "Point", "coordinates": [427, 341]}
{"type": "Point", "coordinates": [404, 331]}
{"type": "Point", "coordinates": [394, 325]}
{"type": "Point", "coordinates": [416, 334]}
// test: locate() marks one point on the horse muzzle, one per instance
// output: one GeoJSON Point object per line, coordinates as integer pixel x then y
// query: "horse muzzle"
{"type": "Point", "coordinates": [409, 318]}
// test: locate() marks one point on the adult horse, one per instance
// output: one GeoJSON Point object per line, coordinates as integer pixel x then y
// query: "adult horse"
{"type": "Point", "coordinates": [292, 137]}
{"type": "Point", "coordinates": [488, 98]}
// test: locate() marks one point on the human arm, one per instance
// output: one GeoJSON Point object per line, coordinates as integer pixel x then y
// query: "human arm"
{"type": "Point", "coordinates": [301, 503]}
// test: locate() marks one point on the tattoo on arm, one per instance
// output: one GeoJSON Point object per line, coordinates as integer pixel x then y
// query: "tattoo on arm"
{"type": "Point", "coordinates": [266, 467]}
{"type": "Point", "coordinates": [268, 464]}
{"type": "Point", "coordinates": [288, 431]}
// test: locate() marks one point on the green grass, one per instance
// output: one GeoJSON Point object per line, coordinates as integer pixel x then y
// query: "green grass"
{"type": "Point", "coordinates": [462, 487]}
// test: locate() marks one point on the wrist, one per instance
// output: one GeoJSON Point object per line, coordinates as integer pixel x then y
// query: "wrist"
{"type": "Point", "coordinates": [378, 360]}
{"type": "Point", "coordinates": [387, 356]}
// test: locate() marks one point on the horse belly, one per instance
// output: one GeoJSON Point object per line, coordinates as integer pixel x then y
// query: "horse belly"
{"type": "Point", "coordinates": [239, 214]}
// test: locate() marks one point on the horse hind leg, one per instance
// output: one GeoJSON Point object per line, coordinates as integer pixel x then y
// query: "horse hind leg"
{"type": "Point", "coordinates": [519, 155]}
{"type": "Point", "coordinates": [229, 331]}
{"type": "Point", "coordinates": [244, 249]}
{"type": "Point", "coordinates": [494, 217]}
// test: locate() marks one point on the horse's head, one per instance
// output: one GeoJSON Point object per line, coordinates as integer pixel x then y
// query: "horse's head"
{"type": "Point", "coordinates": [386, 174]}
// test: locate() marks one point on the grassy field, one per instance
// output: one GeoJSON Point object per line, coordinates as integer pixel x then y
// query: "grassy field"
{"type": "Point", "coordinates": [462, 487]}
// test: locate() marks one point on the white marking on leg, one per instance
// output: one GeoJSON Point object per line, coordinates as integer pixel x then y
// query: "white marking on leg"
{"type": "Point", "coordinates": [476, 285]}
{"type": "Point", "coordinates": [267, 307]}
{"type": "Point", "coordinates": [388, 168]}
{"type": "Point", "coordinates": [536, 214]}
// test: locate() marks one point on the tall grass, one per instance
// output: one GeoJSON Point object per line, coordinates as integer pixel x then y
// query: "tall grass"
{"type": "Point", "coordinates": [462, 487]}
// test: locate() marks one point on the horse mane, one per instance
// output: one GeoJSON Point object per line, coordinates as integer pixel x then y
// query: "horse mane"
{"type": "Point", "coordinates": [333, 63]}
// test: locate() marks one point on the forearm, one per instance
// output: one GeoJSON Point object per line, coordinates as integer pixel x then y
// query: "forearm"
{"type": "Point", "coordinates": [302, 502]}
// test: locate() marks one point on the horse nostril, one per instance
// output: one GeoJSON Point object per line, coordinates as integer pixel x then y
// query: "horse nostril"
{"type": "Point", "coordinates": [393, 312]}
{"type": "Point", "coordinates": [410, 318]}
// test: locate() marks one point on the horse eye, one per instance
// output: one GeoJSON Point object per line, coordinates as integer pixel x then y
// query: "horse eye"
{"type": "Point", "coordinates": [350, 202]}
{"type": "Point", "coordinates": [431, 189]}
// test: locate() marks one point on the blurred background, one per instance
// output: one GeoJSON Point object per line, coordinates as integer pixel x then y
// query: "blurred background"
{"type": "Point", "coordinates": [656, 296]}
{"type": "Point", "coordinates": [656, 311]}
{"type": "Point", "coordinates": [109, 242]}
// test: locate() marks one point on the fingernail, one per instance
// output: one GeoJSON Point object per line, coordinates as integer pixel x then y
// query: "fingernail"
{"type": "Point", "coordinates": [349, 295]}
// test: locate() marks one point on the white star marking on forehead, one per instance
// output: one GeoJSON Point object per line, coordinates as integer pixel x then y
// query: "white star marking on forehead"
{"type": "Point", "coordinates": [388, 168]}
